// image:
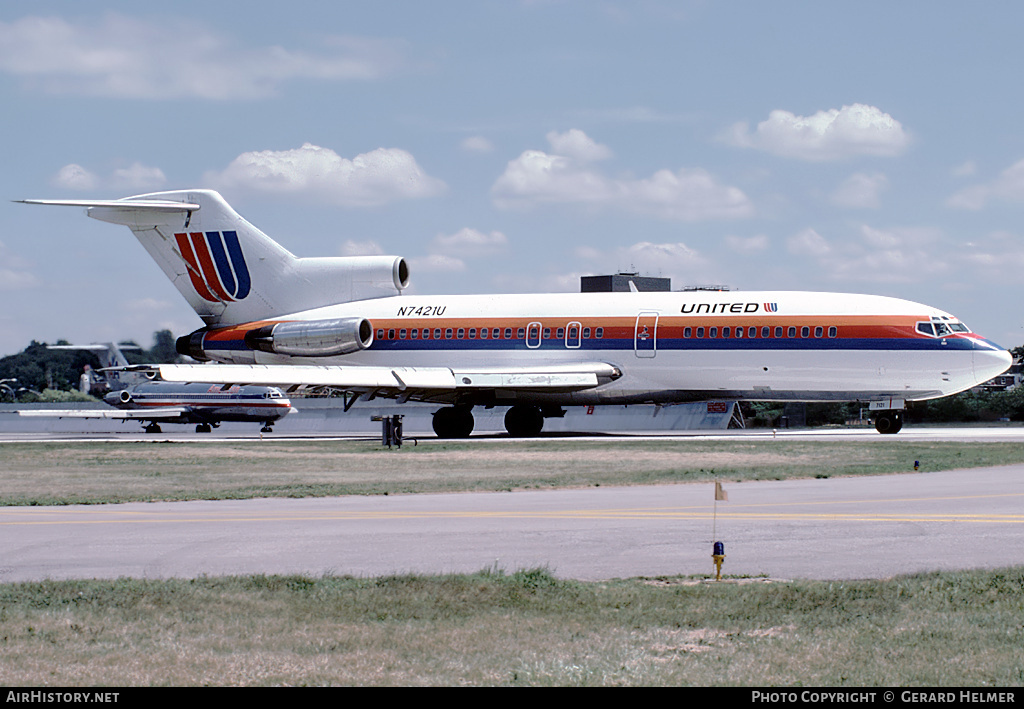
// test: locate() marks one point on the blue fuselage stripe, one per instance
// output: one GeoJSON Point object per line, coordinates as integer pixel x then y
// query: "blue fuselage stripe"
{"type": "Point", "coordinates": [674, 344]}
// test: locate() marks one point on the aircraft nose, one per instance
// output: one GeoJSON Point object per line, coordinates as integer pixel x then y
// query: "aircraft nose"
{"type": "Point", "coordinates": [990, 360]}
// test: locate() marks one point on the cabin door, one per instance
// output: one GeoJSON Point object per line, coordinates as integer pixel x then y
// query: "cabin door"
{"type": "Point", "coordinates": [645, 335]}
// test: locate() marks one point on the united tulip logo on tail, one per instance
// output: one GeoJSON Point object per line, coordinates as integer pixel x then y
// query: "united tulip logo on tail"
{"type": "Point", "coordinates": [215, 265]}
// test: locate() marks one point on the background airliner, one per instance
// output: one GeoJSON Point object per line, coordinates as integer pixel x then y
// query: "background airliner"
{"type": "Point", "coordinates": [137, 396]}
{"type": "Point", "coordinates": [272, 318]}
{"type": "Point", "coordinates": [205, 405]}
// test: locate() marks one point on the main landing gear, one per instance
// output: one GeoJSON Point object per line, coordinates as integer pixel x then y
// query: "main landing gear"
{"type": "Point", "coordinates": [521, 421]}
{"type": "Point", "coordinates": [890, 421]}
{"type": "Point", "coordinates": [524, 421]}
{"type": "Point", "coordinates": [453, 422]}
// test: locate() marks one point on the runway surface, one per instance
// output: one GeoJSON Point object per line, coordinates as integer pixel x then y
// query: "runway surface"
{"type": "Point", "coordinates": [834, 528]}
{"type": "Point", "coordinates": [238, 432]}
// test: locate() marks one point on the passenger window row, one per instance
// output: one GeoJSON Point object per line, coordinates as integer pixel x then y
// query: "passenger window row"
{"type": "Point", "coordinates": [485, 333]}
{"type": "Point", "coordinates": [752, 332]}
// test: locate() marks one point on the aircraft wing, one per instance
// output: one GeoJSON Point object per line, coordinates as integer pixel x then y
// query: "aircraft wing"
{"type": "Point", "coordinates": [155, 414]}
{"type": "Point", "coordinates": [404, 383]}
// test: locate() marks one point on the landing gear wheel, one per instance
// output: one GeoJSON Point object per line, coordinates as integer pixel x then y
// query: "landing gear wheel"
{"type": "Point", "coordinates": [153, 427]}
{"type": "Point", "coordinates": [524, 421]}
{"type": "Point", "coordinates": [203, 428]}
{"type": "Point", "coordinates": [453, 422]}
{"type": "Point", "coordinates": [889, 422]}
{"type": "Point", "coordinates": [266, 429]}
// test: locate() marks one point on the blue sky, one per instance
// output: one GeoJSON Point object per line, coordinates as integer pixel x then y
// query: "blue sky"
{"type": "Point", "coordinates": [870, 147]}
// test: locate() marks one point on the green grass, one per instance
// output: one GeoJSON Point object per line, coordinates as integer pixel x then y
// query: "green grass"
{"type": "Point", "coordinates": [526, 628]}
{"type": "Point", "coordinates": [94, 473]}
{"type": "Point", "coordinates": [493, 628]}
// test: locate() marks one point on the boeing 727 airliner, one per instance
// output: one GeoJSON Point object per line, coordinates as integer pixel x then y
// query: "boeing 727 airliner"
{"type": "Point", "coordinates": [272, 318]}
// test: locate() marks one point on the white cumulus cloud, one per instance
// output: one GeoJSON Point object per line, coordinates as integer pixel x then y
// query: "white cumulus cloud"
{"type": "Point", "coordinates": [476, 144]}
{"type": "Point", "coordinates": [361, 248]}
{"type": "Point", "coordinates": [436, 263]}
{"type": "Point", "coordinates": [808, 242]}
{"type": "Point", "coordinates": [1007, 187]}
{"type": "Point", "coordinates": [747, 245]}
{"type": "Point", "coordinates": [860, 191]}
{"type": "Point", "coordinates": [370, 179]}
{"type": "Point", "coordinates": [136, 177]}
{"type": "Point", "coordinates": [76, 177]}
{"type": "Point", "coordinates": [676, 260]}
{"type": "Point", "coordinates": [965, 169]}
{"type": "Point", "coordinates": [892, 255]}
{"type": "Point", "coordinates": [14, 271]}
{"type": "Point", "coordinates": [576, 144]}
{"type": "Point", "coordinates": [537, 178]}
{"type": "Point", "coordinates": [124, 57]}
{"type": "Point", "coordinates": [900, 254]}
{"type": "Point", "coordinates": [827, 135]}
{"type": "Point", "coordinates": [468, 241]}
{"type": "Point", "coordinates": [998, 257]}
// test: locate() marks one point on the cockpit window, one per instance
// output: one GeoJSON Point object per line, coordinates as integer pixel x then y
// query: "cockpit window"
{"type": "Point", "coordinates": [941, 328]}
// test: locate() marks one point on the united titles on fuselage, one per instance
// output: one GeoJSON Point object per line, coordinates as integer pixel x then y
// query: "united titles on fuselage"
{"type": "Point", "coordinates": [698, 308]}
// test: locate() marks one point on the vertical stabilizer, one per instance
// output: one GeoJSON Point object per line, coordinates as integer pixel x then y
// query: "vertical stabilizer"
{"type": "Point", "coordinates": [229, 271]}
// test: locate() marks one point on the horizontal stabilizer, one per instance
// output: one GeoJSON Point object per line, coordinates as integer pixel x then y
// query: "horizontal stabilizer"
{"type": "Point", "coordinates": [141, 205]}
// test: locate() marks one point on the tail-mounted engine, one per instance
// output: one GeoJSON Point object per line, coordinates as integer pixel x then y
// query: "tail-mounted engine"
{"type": "Point", "coordinates": [295, 338]}
{"type": "Point", "coordinates": [312, 338]}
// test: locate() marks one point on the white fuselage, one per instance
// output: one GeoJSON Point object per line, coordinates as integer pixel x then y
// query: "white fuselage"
{"type": "Point", "coordinates": [679, 346]}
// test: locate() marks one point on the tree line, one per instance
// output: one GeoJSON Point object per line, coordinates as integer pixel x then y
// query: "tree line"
{"type": "Point", "coordinates": [38, 368]}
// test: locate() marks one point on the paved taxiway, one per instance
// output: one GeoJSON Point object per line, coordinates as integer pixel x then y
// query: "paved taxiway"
{"type": "Point", "coordinates": [833, 528]}
{"type": "Point", "coordinates": [242, 432]}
